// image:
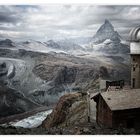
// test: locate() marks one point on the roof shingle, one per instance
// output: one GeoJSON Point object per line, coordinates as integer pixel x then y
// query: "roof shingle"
{"type": "Point", "coordinates": [122, 99]}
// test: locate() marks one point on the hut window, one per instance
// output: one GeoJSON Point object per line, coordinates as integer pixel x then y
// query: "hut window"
{"type": "Point", "coordinates": [133, 82]}
{"type": "Point", "coordinates": [130, 123]}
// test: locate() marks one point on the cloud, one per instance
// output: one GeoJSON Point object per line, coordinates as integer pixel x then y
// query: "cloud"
{"type": "Point", "coordinates": [41, 22]}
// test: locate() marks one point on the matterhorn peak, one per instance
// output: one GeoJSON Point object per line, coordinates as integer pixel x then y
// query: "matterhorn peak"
{"type": "Point", "coordinates": [106, 27]}
{"type": "Point", "coordinates": [106, 31]}
{"type": "Point", "coordinates": [107, 21]}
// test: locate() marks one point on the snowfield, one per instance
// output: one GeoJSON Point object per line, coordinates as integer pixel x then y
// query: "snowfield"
{"type": "Point", "coordinates": [33, 121]}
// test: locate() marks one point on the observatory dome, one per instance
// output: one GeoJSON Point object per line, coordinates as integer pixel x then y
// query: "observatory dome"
{"type": "Point", "coordinates": [135, 34]}
{"type": "Point", "coordinates": [135, 40]}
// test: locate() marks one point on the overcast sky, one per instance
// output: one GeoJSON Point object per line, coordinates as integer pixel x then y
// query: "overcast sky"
{"type": "Point", "coordinates": [43, 22]}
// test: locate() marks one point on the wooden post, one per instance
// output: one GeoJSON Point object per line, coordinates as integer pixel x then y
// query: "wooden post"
{"type": "Point", "coordinates": [88, 105]}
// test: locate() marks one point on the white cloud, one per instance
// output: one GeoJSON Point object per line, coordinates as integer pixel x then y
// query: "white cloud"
{"type": "Point", "coordinates": [63, 21]}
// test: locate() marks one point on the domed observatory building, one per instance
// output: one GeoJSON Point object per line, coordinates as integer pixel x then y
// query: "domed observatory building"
{"type": "Point", "coordinates": [135, 57]}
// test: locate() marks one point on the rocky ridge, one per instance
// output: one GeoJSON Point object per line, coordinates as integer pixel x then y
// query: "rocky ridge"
{"type": "Point", "coordinates": [71, 109]}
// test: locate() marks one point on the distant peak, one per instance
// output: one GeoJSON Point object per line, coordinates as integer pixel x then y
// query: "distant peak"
{"type": "Point", "coordinates": [106, 27]}
{"type": "Point", "coordinates": [6, 40]}
{"type": "Point", "coordinates": [106, 31]}
{"type": "Point", "coordinates": [50, 41]}
{"type": "Point", "coordinates": [107, 21]}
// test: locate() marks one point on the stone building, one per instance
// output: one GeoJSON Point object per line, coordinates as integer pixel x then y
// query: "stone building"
{"type": "Point", "coordinates": [135, 57]}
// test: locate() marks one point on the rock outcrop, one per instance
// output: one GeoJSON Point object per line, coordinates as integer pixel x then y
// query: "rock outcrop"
{"type": "Point", "coordinates": [70, 110]}
{"type": "Point", "coordinates": [3, 69]}
{"type": "Point", "coordinates": [6, 43]}
{"type": "Point", "coordinates": [13, 102]}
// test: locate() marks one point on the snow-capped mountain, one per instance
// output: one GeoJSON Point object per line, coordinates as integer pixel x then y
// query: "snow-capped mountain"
{"type": "Point", "coordinates": [106, 31]}
{"type": "Point", "coordinates": [32, 45]}
{"type": "Point", "coordinates": [68, 45]}
{"type": "Point", "coordinates": [52, 44]}
{"type": "Point", "coordinates": [82, 41]}
{"type": "Point", "coordinates": [107, 40]}
{"type": "Point", "coordinates": [65, 46]}
{"type": "Point", "coordinates": [37, 46]}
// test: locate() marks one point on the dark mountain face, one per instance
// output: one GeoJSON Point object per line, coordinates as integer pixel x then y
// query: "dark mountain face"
{"type": "Point", "coordinates": [105, 28]}
{"type": "Point", "coordinates": [106, 31]}
{"type": "Point", "coordinates": [52, 44]}
{"type": "Point", "coordinates": [12, 102]}
{"type": "Point", "coordinates": [6, 43]}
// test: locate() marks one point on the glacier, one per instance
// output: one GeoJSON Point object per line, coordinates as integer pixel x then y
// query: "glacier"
{"type": "Point", "coordinates": [32, 121]}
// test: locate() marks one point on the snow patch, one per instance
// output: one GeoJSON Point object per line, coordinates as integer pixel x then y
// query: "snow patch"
{"type": "Point", "coordinates": [33, 121]}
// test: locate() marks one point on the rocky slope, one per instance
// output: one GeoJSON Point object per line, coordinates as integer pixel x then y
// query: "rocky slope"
{"type": "Point", "coordinates": [69, 117]}
{"type": "Point", "coordinates": [45, 77]}
{"type": "Point", "coordinates": [13, 102]}
{"type": "Point", "coordinates": [81, 130]}
{"type": "Point", "coordinates": [70, 110]}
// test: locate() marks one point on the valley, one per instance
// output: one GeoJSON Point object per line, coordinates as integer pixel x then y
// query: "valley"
{"type": "Point", "coordinates": [36, 74]}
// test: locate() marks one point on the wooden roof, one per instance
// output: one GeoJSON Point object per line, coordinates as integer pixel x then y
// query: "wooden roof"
{"type": "Point", "coordinates": [122, 99]}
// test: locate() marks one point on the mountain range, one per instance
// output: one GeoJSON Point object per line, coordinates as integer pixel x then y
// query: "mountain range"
{"type": "Point", "coordinates": [35, 74]}
{"type": "Point", "coordinates": [106, 40]}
